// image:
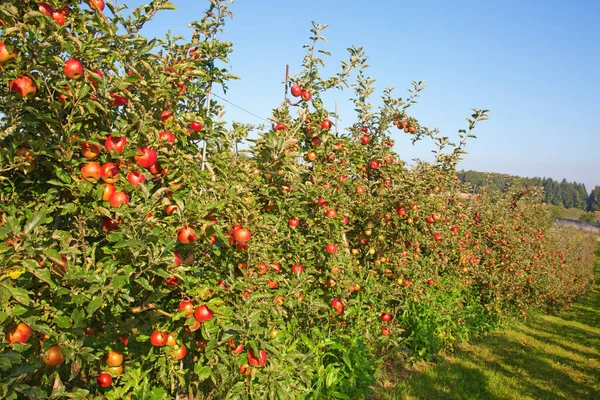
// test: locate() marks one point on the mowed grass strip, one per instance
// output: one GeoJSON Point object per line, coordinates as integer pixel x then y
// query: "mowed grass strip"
{"type": "Point", "coordinates": [547, 357]}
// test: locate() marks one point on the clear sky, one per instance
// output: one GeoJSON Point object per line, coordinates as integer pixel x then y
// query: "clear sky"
{"type": "Point", "coordinates": [535, 64]}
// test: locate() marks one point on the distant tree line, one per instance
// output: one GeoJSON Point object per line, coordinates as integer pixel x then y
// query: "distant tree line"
{"type": "Point", "coordinates": [565, 194]}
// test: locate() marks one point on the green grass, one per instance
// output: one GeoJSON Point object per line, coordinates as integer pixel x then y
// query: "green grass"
{"type": "Point", "coordinates": [547, 357]}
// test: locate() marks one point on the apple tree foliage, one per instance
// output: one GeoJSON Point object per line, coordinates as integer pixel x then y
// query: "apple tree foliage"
{"type": "Point", "coordinates": [286, 257]}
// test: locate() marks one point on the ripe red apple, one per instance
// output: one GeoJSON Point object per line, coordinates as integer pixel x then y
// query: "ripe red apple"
{"type": "Point", "coordinates": [331, 213]}
{"type": "Point", "coordinates": [158, 338]}
{"type": "Point", "coordinates": [116, 143]}
{"type": "Point", "coordinates": [306, 95]}
{"type": "Point", "coordinates": [146, 157]}
{"type": "Point", "coordinates": [293, 222]}
{"type": "Point", "coordinates": [374, 164]}
{"type": "Point", "coordinates": [166, 116]}
{"type": "Point", "coordinates": [59, 17]}
{"type": "Point", "coordinates": [297, 269]}
{"type": "Point", "coordinates": [315, 142]}
{"type": "Point", "coordinates": [280, 127]}
{"type": "Point", "coordinates": [187, 306]}
{"type": "Point", "coordinates": [21, 333]}
{"type": "Point", "coordinates": [91, 172]}
{"type": "Point", "coordinates": [5, 56]}
{"type": "Point", "coordinates": [326, 124]}
{"type": "Point", "coordinates": [259, 361]}
{"type": "Point", "coordinates": [437, 237]}
{"type": "Point", "coordinates": [117, 199]}
{"type": "Point", "coordinates": [401, 211]}
{"type": "Point", "coordinates": [109, 189]}
{"type": "Point", "coordinates": [187, 235]}
{"type": "Point", "coordinates": [54, 357]}
{"type": "Point", "coordinates": [170, 209]}
{"type": "Point", "coordinates": [117, 100]}
{"type": "Point", "coordinates": [406, 283]}
{"type": "Point", "coordinates": [23, 87]}
{"type": "Point", "coordinates": [365, 139]}
{"type": "Point", "coordinates": [73, 69]}
{"type": "Point", "coordinates": [90, 150]}
{"type": "Point", "coordinates": [196, 126]}
{"type": "Point", "coordinates": [385, 331]}
{"type": "Point", "coordinates": [242, 235]}
{"type": "Point", "coordinates": [385, 317]}
{"type": "Point", "coordinates": [203, 313]}
{"type": "Point", "coordinates": [136, 177]}
{"type": "Point", "coordinates": [430, 220]}
{"type": "Point", "coordinates": [296, 90]}
{"type": "Point", "coordinates": [109, 224]}
{"type": "Point", "coordinates": [104, 380]}
{"type": "Point", "coordinates": [167, 136]}
{"type": "Point", "coordinates": [430, 281]}
{"type": "Point", "coordinates": [311, 156]}
{"type": "Point", "coordinates": [97, 5]}
{"type": "Point", "coordinates": [179, 353]}
{"type": "Point", "coordinates": [331, 248]}
{"type": "Point", "coordinates": [45, 8]}
{"type": "Point", "coordinates": [109, 172]}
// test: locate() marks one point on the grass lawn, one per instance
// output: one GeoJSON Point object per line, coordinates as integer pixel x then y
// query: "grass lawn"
{"type": "Point", "coordinates": [547, 357]}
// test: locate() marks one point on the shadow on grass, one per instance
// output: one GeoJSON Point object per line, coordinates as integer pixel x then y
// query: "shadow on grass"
{"type": "Point", "coordinates": [547, 357]}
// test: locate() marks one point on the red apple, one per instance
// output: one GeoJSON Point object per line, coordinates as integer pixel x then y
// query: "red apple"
{"type": "Point", "coordinates": [385, 331]}
{"type": "Point", "coordinates": [159, 338]}
{"type": "Point", "coordinates": [146, 157]}
{"type": "Point", "coordinates": [326, 124]}
{"type": "Point", "coordinates": [109, 224]}
{"type": "Point", "coordinates": [306, 95]}
{"type": "Point", "coordinates": [117, 100]}
{"type": "Point", "coordinates": [59, 18]}
{"type": "Point", "coordinates": [293, 222]}
{"type": "Point", "coordinates": [430, 281]}
{"type": "Point", "coordinates": [104, 380]}
{"type": "Point", "coordinates": [331, 248]}
{"type": "Point", "coordinates": [196, 126]}
{"type": "Point", "coordinates": [109, 189]}
{"type": "Point", "coordinates": [117, 199]}
{"type": "Point", "coordinates": [167, 136]}
{"type": "Point", "coordinates": [45, 8]}
{"type": "Point", "coordinates": [116, 143]}
{"type": "Point", "coordinates": [365, 139]}
{"type": "Point", "coordinates": [90, 150]}
{"type": "Point", "coordinates": [296, 90]}
{"type": "Point", "coordinates": [97, 5]}
{"type": "Point", "coordinates": [242, 235]}
{"type": "Point", "coordinates": [374, 164]}
{"type": "Point", "coordinates": [91, 172]}
{"type": "Point", "coordinates": [5, 56]}
{"type": "Point", "coordinates": [166, 116]}
{"type": "Point", "coordinates": [170, 209]}
{"type": "Point", "coordinates": [21, 333]}
{"type": "Point", "coordinates": [187, 306]}
{"type": "Point", "coordinates": [73, 69]}
{"type": "Point", "coordinates": [203, 313]}
{"type": "Point", "coordinates": [385, 317]}
{"type": "Point", "coordinates": [187, 235]}
{"type": "Point", "coordinates": [23, 87]}
{"type": "Point", "coordinates": [331, 213]}
{"type": "Point", "coordinates": [109, 173]}
{"type": "Point", "coordinates": [136, 177]}
{"type": "Point", "coordinates": [297, 269]}
{"type": "Point", "coordinates": [259, 361]}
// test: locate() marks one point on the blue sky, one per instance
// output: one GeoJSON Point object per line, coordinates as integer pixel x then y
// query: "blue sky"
{"type": "Point", "coordinates": [533, 63]}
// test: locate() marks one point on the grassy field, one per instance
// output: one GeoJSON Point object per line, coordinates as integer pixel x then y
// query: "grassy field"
{"type": "Point", "coordinates": [547, 357]}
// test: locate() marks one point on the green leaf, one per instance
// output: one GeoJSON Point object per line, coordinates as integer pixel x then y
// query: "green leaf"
{"type": "Point", "coordinates": [20, 295]}
{"type": "Point", "coordinates": [63, 321]}
{"type": "Point", "coordinates": [94, 305]}
{"type": "Point", "coordinates": [62, 175]}
{"type": "Point", "coordinates": [35, 220]}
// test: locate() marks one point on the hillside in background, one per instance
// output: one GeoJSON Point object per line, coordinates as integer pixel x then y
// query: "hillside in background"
{"type": "Point", "coordinates": [568, 195]}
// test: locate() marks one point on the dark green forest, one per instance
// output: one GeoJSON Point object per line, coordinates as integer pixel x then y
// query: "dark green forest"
{"type": "Point", "coordinates": [564, 194]}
